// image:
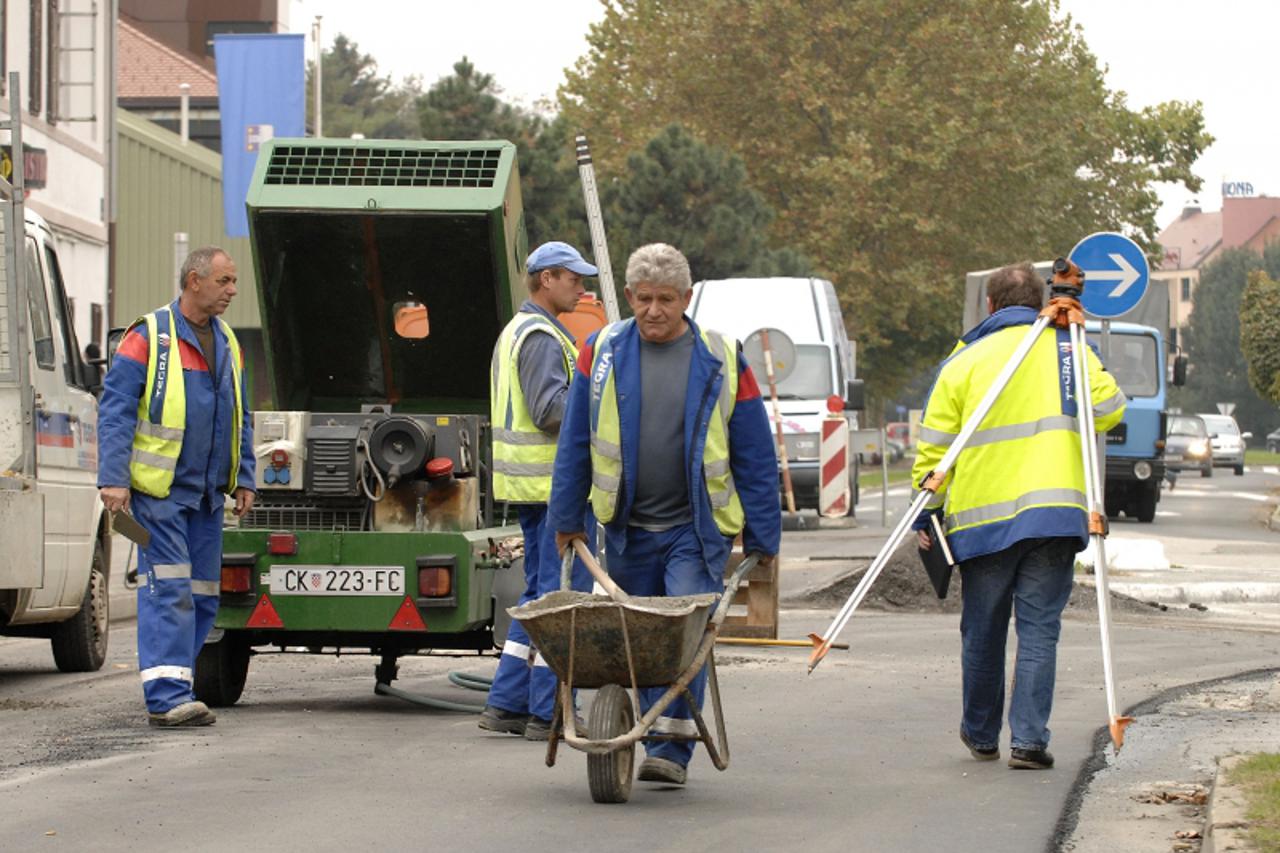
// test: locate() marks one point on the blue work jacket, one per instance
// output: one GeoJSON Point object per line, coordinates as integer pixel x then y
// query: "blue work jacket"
{"type": "Point", "coordinates": [751, 450]}
{"type": "Point", "coordinates": [205, 461]}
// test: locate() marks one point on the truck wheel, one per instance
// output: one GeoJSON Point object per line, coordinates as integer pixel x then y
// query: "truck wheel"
{"type": "Point", "coordinates": [1207, 471]}
{"type": "Point", "coordinates": [80, 643]}
{"type": "Point", "coordinates": [221, 670]}
{"type": "Point", "coordinates": [1239, 469]}
{"type": "Point", "coordinates": [1146, 503]}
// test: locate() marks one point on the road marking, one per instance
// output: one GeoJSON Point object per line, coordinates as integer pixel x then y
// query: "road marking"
{"type": "Point", "coordinates": [1166, 513]}
{"type": "Point", "coordinates": [1269, 469]}
{"type": "Point", "coordinates": [1248, 496]}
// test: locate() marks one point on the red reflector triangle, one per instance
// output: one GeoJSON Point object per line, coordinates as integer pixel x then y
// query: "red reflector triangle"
{"type": "Point", "coordinates": [264, 615]}
{"type": "Point", "coordinates": [407, 618]}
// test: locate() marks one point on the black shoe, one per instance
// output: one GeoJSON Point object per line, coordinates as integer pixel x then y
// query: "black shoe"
{"type": "Point", "coordinates": [537, 729]}
{"type": "Point", "coordinates": [990, 754]}
{"type": "Point", "coordinates": [1030, 759]}
{"type": "Point", "coordinates": [662, 770]}
{"type": "Point", "coordinates": [497, 720]}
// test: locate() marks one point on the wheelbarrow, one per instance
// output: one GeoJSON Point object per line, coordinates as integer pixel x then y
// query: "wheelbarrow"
{"type": "Point", "coordinates": [604, 642]}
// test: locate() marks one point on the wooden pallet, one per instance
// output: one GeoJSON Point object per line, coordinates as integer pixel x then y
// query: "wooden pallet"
{"type": "Point", "coordinates": [754, 610]}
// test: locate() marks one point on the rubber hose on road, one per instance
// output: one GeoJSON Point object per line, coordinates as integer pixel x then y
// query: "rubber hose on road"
{"type": "Point", "coordinates": [471, 682]}
{"type": "Point", "coordinates": [427, 701]}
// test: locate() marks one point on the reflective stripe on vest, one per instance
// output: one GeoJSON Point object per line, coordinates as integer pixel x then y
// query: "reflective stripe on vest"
{"type": "Point", "coordinates": [606, 433]}
{"type": "Point", "coordinates": [162, 410]}
{"type": "Point", "coordinates": [523, 455]}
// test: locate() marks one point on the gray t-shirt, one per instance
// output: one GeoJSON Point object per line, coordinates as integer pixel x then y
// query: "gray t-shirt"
{"type": "Point", "coordinates": [662, 492]}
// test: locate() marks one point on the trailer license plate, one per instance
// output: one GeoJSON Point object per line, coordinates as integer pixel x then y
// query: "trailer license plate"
{"type": "Point", "coordinates": [337, 580]}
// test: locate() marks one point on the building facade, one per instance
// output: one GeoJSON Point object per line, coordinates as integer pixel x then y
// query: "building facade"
{"type": "Point", "coordinates": [63, 51]}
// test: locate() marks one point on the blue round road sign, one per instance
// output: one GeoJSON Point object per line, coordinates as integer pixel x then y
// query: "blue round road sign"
{"type": "Point", "coordinates": [1116, 273]}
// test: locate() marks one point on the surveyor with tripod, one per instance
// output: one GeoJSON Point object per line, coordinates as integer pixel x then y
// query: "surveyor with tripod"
{"type": "Point", "coordinates": [1013, 506]}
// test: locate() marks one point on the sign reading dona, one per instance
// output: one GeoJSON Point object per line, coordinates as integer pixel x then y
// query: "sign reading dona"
{"type": "Point", "coordinates": [1236, 189]}
{"type": "Point", "coordinates": [35, 165]}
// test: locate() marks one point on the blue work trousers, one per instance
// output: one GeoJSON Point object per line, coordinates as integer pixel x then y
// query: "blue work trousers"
{"type": "Point", "coordinates": [1033, 579]}
{"type": "Point", "coordinates": [524, 684]}
{"type": "Point", "coordinates": [668, 562]}
{"type": "Point", "coordinates": [178, 581]}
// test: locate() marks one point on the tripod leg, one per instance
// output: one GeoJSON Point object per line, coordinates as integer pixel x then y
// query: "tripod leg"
{"type": "Point", "coordinates": [822, 644]}
{"type": "Point", "coordinates": [1097, 523]}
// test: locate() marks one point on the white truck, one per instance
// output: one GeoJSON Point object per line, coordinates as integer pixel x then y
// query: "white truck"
{"type": "Point", "coordinates": [54, 537]}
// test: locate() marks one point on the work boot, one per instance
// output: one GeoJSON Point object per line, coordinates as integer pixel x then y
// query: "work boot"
{"type": "Point", "coordinates": [1030, 759]}
{"type": "Point", "coordinates": [497, 720]}
{"type": "Point", "coordinates": [186, 715]}
{"type": "Point", "coordinates": [989, 754]}
{"type": "Point", "coordinates": [537, 729]}
{"type": "Point", "coordinates": [664, 770]}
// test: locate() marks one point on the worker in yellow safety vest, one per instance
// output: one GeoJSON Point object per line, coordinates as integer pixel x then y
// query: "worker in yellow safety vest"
{"type": "Point", "coordinates": [1012, 507]}
{"type": "Point", "coordinates": [532, 366]}
{"type": "Point", "coordinates": [174, 441]}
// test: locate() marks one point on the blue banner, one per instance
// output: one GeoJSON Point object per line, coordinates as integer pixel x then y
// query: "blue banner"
{"type": "Point", "coordinates": [261, 95]}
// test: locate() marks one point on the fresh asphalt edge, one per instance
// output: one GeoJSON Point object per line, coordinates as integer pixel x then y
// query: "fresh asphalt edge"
{"type": "Point", "coordinates": [1097, 760]}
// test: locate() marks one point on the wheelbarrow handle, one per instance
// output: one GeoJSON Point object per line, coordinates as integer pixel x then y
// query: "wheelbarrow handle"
{"type": "Point", "coordinates": [749, 562]}
{"type": "Point", "coordinates": [589, 560]}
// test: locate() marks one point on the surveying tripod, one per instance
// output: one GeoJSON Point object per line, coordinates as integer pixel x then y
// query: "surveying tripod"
{"type": "Point", "coordinates": [1064, 311]}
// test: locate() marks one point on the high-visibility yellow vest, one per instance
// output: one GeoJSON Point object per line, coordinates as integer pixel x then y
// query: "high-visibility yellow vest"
{"type": "Point", "coordinates": [157, 446]}
{"type": "Point", "coordinates": [523, 455]}
{"type": "Point", "coordinates": [1026, 452]}
{"type": "Point", "coordinates": [606, 433]}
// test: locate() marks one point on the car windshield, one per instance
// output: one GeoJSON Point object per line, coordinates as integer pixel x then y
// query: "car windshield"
{"type": "Point", "coordinates": [1132, 362]}
{"type": "Point", "coordinates": [811, 379]}
{"type": "Point", "coordinates": [1221, 425]}
{"type": "Point", "coordinates": [1187, 426]}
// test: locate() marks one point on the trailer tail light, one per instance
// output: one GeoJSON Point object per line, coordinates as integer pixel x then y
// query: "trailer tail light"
{"type": "Point", "coordinates": [237, 579]}
{"type": "Point", "coordinates": [435, 581]}
{"type": "Point", "coordinates": [282, 544]}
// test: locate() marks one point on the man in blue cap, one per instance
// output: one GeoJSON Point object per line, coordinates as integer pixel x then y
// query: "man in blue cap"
{"type": "Point", "coordinates": [532, 365]}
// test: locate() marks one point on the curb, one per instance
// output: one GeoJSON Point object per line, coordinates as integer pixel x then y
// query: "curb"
{"type": "Point", "coordinates": [1226, 825]}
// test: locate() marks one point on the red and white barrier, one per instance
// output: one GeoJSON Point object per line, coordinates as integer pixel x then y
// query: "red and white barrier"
{"type": "Point", "coordinates": [833, 464]}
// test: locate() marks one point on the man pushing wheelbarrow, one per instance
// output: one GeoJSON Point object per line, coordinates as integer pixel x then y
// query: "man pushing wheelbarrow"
{"type": "Point", "coordinates": [666, 435]}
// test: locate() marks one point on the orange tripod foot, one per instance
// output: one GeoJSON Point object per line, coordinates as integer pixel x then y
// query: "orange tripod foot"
{"type": "Point", "coordinates": [1117, 728]}
{"type": "Point", "coordinates": [820, 649]}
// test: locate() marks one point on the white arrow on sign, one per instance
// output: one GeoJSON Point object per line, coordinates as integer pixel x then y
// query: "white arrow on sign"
{"type": "Point", "coordinates": [1127, 275]}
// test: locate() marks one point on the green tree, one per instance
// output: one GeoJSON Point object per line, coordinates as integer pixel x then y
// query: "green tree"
{"type": "Point", "coordinates": [901, 142]}
{"type": "Point", "coordinates": [356, 99]}
{"type": "Point", "coordinates": [696, 197]}
{"type": "Point", "coordinates": [468, 104]}
{"type": "Point", "coordinates": [1260, 334]}
{"type": "Point", "coordinates": [1219, 373]}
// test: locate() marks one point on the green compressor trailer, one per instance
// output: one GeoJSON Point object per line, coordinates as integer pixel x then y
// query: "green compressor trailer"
{"type": "Point", "coordinates": [385, 271]}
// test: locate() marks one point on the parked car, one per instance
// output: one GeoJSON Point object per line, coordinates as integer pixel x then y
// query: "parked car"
{"type": "Point", "coordinates": [1273, 441]}
{"type": "Point", "coordinates": [1227, 442]}
{"type": "Point", "coordinates": [1187, 446]}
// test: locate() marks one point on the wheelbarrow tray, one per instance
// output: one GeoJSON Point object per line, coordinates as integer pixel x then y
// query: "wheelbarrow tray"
{"type": "Point", "coordinates": [584, 637]}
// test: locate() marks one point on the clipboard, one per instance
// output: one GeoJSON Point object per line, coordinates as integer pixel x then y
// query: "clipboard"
{"type": "Point", "coordinates": [938, 560]}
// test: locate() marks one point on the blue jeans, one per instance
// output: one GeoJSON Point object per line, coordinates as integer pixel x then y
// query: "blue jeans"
{"type": "Point", "coordinates": [666, 563]}
{"type": "Point", "coordinates": [1032, 578]}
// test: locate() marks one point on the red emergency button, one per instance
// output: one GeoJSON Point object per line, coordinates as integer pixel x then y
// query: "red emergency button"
{"type": "Point", "coordinates": [441, 466]}
{"type": "Point", "coordinates": [279, 458]}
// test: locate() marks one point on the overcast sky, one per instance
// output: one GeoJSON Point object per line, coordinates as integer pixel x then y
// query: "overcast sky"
{"type": "Point", "coordinates": [1219, 52]}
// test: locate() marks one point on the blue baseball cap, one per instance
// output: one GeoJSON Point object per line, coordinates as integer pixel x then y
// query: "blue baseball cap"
{"type": "Point", "coordinates": [555, 254]}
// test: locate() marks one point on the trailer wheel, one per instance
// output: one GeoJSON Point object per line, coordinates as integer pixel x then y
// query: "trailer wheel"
{"type": "Point", "coordinates": [221, 670]}
{"type": "Point", "coordinates": [80, 643]}
{"type": "Point", "coordinates": [609, 775]}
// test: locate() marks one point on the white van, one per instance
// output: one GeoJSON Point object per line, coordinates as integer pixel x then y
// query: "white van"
{"type": "Point", "coordinates": [54, 538]}
{"type": "Point", "coordinates": [807, 310]}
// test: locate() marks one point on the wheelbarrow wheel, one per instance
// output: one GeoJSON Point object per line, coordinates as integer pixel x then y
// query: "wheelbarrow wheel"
{"type": "Point", "coordinates": [609, 775]}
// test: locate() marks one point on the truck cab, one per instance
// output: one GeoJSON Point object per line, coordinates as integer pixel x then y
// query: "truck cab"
{"type": "Point", "coordinates": [54, 538]}
{"type": "Point", "coordinates": [1135, 465]}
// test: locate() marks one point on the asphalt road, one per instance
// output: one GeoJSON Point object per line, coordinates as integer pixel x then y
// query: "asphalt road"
{"type": "Point", "coordinates": [862, 755]}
